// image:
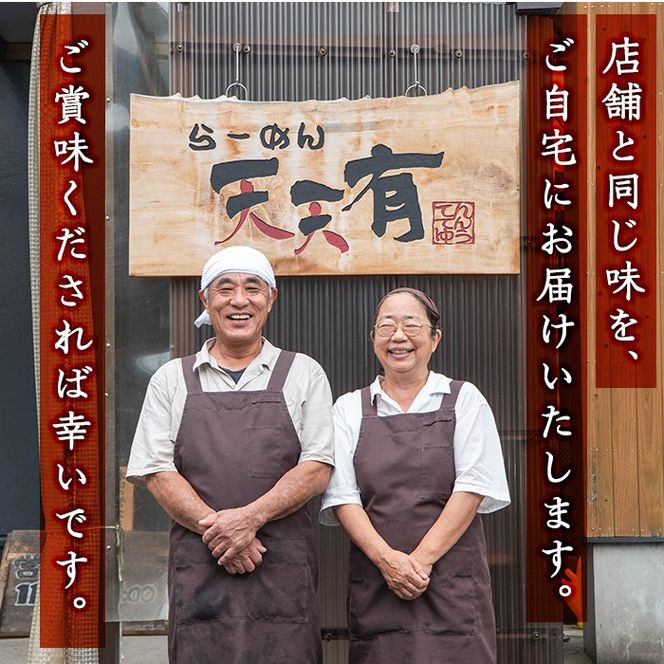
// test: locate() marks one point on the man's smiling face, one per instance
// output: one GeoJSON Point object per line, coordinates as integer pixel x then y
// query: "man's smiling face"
{"type": "Point", "coordinates": [238, 305]}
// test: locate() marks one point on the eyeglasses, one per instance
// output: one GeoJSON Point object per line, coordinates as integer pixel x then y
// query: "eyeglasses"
{"type": "Point", "coordinates": [388, 329]}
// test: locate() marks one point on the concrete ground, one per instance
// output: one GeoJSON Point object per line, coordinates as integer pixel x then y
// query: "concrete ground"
{"type": "Point", "coordinates": [152, 650]}
{"type": "Point", "coordinates": [574, 652]}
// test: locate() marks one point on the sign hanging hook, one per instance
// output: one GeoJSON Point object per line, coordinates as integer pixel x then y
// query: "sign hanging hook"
{"type": "Point", "coordinates": [415, 49]}
{"type": "Point", "coordinates": [237, 47]}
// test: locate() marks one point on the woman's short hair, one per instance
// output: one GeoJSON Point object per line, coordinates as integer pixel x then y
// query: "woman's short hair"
{"type": "Point", "coordinates": [433, 315]}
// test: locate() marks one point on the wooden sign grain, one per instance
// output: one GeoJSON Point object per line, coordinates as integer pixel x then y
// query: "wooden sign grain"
{"type": "Point", "coordinates": [425, 185]}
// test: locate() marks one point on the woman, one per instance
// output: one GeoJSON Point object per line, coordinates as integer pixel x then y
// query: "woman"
{"type": "Point", "coordinates": [417, 456]}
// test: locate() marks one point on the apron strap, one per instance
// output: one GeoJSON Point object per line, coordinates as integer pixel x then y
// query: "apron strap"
{"type": "Point", "coordinates": [449, 400]}
{"type": "Point", "coordinates": [280, 371]}
{"type": "Point", "coordinates": [191, 378]}
{"type": "Point", "coordinates": [368, 409]}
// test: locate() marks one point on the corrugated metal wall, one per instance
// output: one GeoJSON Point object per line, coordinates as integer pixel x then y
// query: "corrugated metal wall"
{"type": "Point", "coordinates": [297, 51]}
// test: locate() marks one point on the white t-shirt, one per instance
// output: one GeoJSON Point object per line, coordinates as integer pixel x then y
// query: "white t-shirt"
{"type": "Point", "coordinates": [478, 457]}
{"type": "Point", "coordinates": [306, 390]}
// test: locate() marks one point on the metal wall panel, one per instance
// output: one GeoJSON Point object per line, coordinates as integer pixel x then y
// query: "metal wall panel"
{"type": "Point", "coordinates": [18, 403]}
{"type": "Point", "coordinates": [297, 51]}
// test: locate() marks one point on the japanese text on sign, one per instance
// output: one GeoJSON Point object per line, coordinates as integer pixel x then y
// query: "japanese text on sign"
{"type": "Point", "coordinates": [328, 187]}
{"type": "Point", "coordinates": [71, 235]}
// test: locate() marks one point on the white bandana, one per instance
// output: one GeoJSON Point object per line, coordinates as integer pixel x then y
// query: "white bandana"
{"type": "Point", "coordinates": [235, 259]}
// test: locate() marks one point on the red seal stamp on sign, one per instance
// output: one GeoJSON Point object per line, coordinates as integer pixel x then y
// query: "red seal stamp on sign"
{"type": "Point", "coordinates": [453, 222]}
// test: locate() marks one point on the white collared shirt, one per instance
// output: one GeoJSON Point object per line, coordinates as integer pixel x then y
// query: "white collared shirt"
{"type": "Point", "coordinates": [306, 390]}
{"type": "Point", "coordinates": [478, 457]}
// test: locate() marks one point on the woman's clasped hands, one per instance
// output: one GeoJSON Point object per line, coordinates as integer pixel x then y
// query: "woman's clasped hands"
{"type": "Point", "coordinates": [405, 576]}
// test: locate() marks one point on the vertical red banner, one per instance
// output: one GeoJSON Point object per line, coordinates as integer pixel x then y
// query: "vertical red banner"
{"type": "Point", "coordinates": [556, 210]}
{"type": "Point", "coordinates": [626, 221]}
{"type": "Point", "coordinates": [71, 332]}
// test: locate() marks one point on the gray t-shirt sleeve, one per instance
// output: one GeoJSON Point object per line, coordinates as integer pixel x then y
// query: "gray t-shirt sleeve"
{"type": "Point", "coordinates": [316, 429]}
{"type": "Point", "coordinates": [152, 449]}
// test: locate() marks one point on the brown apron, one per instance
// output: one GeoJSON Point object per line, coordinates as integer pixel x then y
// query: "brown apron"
{"type": "Point", "coordinates": [405, 470]}
{"type": "Point", "coordinates": [233, 447]}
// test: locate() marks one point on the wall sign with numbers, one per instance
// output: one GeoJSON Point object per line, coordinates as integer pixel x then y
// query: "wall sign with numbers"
{"type": "Point", "coordinates": [19, 578]}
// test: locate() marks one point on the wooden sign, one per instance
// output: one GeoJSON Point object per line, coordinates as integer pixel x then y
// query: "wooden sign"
{"type": "Point", "coordinates": [375, 186]}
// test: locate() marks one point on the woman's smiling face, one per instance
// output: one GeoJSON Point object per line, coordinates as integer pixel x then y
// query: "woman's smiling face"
{"type": "Point", "coordinates": [400, 353]}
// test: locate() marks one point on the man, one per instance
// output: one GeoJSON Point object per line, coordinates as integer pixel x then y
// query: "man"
{"type": "Point", "coordinates": [233, 442]}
